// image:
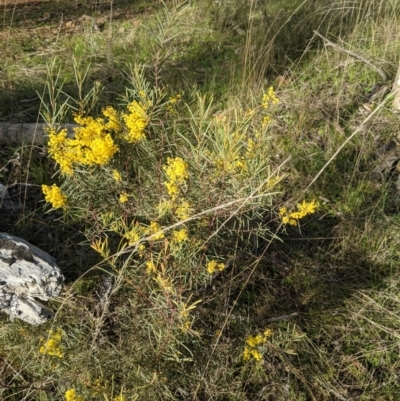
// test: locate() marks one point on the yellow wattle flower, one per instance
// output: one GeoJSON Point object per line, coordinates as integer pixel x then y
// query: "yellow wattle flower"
{"type": "Point", "coordinates": [180, 235]}
{"type": "Point", "coordinates": [135, 121]}
{"type": "Point", "coordinates": [54, 196]}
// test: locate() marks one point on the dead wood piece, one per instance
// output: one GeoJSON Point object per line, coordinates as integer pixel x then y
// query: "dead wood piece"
{"type": "Point", "coordinates": [279, 318]}
{"type": "Point", "coordinates": [396, 91]}
{"type": "Point", "coordinates": [355, 55]}
{"type": "Point", "coordinates": [27, 273]}
{"type": "Point", "coordinates": [28, 133]}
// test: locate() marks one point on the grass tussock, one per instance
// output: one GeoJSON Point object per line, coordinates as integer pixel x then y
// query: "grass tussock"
{"type": "Point", "coordinates": [226, 213]}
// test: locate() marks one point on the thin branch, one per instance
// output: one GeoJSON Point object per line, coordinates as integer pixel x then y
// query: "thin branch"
{"type": "Point", "coordinates": [355, 55]}
{"type": "Point", "coordinates": [380, 105]}
{"type": "Point", "coordinates": [279, 318]}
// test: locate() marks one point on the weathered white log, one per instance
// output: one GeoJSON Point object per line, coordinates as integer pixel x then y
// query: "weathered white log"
{"type": "Point", "coordinates": [396, 91]}
{"type": "Point", "coordinates": [27, 273]}
{"type": "Point", "coordinates": [31, 134]}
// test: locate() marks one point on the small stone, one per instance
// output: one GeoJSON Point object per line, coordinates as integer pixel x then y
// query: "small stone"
{"type": "Point", "coordinates": [27, 273]}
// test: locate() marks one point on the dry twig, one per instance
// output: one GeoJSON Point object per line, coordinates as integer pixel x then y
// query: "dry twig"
{"type": "Point", "coordinates": [355, 55]}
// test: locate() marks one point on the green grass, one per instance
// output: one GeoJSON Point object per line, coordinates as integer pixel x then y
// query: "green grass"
{"type": "Point", "coordinates": [333, 279]}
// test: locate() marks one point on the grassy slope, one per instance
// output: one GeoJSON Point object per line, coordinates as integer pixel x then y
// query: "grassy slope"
{"type": "Point", "coordinates": [339, 273]}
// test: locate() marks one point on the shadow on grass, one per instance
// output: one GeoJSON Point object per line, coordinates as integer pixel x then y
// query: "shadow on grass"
{"type": "Point", "coordinates": [236, 46]}
{"type": "Point", "coordinates": [56, 13]}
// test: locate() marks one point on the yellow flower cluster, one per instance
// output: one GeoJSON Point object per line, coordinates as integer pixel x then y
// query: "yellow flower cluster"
{"type": "Point", "coordinates": [138, 231]}
{"type": "Point", "coordinates": [175, 99]}
{"type": "Point", "coordinates": [123, 198]}
{"type": "Point", "coordinates": [184, 314]}
{"type": "Point", "coordinates": [135, 233]}
{"type": "Point", "coordinates": [113, 123]}
{"type": "Point", "coordinates": [151, 267]}
{"type": "Point", "coordinates": [251, 148]}
{"type": "Point", "coordinates": [116, 175]}
{"type": "Point", "coordinates": [92, 143]}
{"type": "Point", "coordinates": [141, 250]}
{"type": "Point", "coordinates": [303, 209]}
{"type": "Point", "coordinates": [71, 395]}
{"type": "Point", "coordinates": [54, 196]}
{"type": "Point", "coordinates": [172, 102]}
{"type": "Point", "coordinates": [252, 343]}
{"type": "Point", "coordinates": [182, 211]}
{"type": "Point", "coordinates": [274, 180]}
{"type": "Point", "coordinates": [98, 387]}
{"type": "Point", "coordinates": [265, 121]}
{"type": "Point", "coordinates": [177, 173]}
{"type": "Point", "coordinates": [225, 164]}
{"type": "Point", "coordinates": [119, 397]}
{"type": "Point", "coordinates": [52, 344]}
{"type": "Point", "coordinates": [155, 231]}
{"type": "Point", "coordinates": [164, 207]}
{"type": "Point", "coordinates": [230, 155]}
{"type": "Point", "coordinates": [136, 122]}
{"type": "Point", "coordinates": [179, 236]}
{"type": "Point", "coordinates": [214, 266]}
{"type": "Point", "coordinates": [132, 236]}
{"type": "Point", "coordinates": [269, 98]}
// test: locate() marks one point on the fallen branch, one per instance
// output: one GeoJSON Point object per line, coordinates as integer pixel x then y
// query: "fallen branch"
{"type": "Point", "coordinates": [30, 134]}
{"type": "Point", "coordinates": [279, 318]}
{"type": "Point", "coordinates": [355, 55]}
{"type": "Point", "coordinates": [396, 91]}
